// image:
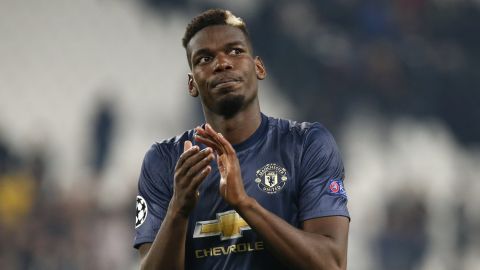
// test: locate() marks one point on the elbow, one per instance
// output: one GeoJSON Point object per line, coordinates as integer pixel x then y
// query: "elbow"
{"type": "Point", "coordinates": [330, 259]}
{"type": "Point", "coordinates": [327, 265]}
{"type": "Point", "coordinates": [335, 265]}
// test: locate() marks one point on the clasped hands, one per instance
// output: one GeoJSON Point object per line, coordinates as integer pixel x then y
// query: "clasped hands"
{"type": "Point", "coordinates": [193, 166]}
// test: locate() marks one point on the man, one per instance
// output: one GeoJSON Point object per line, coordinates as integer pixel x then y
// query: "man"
{"type": "Point", "coordinates": [244, 191]}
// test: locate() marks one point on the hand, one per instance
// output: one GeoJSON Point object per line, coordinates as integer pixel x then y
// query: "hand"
{"type": "Point", "coordinates": [191, 169]}
{"type": "Point", "coordinates": [231, 182]}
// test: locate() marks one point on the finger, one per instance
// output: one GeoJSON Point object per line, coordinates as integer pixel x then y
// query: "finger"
{"type": "Point", "coordinates": [209, 130]}
{"type": "Point", "coordinates": [207, 142]}
{"type": "Point", "coordinates": [193, 170]}
{"type": "Point", "coordinates": [201, 131]}
{"type": "Point", "coordinates": [203, 139]}
{"type": "Point", "coordinates": [187, 145]}
{"type": "Point", "coordinates": [198, 179]}
{"type": "Point", "coordinates": [189, 162]}
{"type": "Point", "coordinates": [208, 138]}
{"type": "Point", "coordinates": [221, 167]}
{"type": "Point", "coordinates": [228, 146]}
{"type": "Point", "coordinates": [214, 135]}
{"type": "Point", "coordinates": [187, 154]}
{"type": "Point", "coordinates": [223, 145]}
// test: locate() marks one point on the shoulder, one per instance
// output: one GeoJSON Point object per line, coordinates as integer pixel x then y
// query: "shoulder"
{"type": "Point", "coordinates": [167, 150]}
{"type": "Point", "coordinates": [306, 131]}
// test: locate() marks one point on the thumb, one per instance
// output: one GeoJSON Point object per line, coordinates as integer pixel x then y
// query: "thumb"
{"type": "Point", "coordinates": [187, 145]}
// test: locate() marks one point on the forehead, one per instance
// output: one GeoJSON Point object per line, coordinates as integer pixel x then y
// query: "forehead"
{"type": "Point", "coordinates": [216, 36]}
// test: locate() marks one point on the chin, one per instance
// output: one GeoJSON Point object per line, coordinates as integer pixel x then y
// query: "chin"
{"type": "Point", "coordinates": [230, 105]}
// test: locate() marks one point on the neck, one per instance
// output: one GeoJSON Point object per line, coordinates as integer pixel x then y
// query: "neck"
{"type": "Point", "coordinates": [238, 128]}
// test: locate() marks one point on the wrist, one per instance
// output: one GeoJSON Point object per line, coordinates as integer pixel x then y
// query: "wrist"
{"type": "Point", "coordinates": [245, 204]}
{"type": "Point", "coordinates": [177, 213]}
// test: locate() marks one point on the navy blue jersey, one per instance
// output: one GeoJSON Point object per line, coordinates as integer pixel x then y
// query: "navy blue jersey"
{"type": "Point", "coordinates": [294, 170]}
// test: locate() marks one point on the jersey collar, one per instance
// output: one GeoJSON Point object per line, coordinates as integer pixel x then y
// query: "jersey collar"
{"type": "Point", "coordinates": [259, 133]}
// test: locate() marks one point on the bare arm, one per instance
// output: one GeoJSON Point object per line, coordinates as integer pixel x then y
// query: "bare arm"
{"type": "Point", "coordinates": [168, 249]}
{"type": "Point", "coordinates": [320, 244]}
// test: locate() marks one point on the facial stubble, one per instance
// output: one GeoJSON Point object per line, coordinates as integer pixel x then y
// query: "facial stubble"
{"type": "Point", "coordinates": [229, 106]}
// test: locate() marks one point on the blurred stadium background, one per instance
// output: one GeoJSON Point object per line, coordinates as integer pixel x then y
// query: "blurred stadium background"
{"type": "Point", "coordinates": [87, 86]}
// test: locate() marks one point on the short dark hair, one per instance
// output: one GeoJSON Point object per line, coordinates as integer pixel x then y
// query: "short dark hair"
{"type": "Point", "coordinates": [209, 18]}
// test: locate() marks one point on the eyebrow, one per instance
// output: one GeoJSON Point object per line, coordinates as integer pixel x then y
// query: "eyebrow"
{"type": "Point", "coordinates": [235, 43]}
{"type": "Point", "coordinates": [200, 52]}
{"type": "Point", "coordinates": [228, 45]}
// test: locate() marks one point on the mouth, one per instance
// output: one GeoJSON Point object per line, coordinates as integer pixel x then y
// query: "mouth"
{"type": "Point", "coordinates": [225, 83]}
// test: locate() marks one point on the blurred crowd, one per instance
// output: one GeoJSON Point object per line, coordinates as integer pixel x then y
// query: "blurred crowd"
{"type": "Point", "coordinates": [332, 59]}
{"type": "Point", "coordinates": [44, 227]}
{"type": "Point", "coordinates": [413, 57]}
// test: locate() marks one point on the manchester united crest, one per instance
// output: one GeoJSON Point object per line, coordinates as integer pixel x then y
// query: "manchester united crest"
{"type": "Point", "coordinates": [271, 178]}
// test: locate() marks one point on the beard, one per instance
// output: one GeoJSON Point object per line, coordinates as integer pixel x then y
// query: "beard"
{"type": "Point", "coordinates": [230, 105]}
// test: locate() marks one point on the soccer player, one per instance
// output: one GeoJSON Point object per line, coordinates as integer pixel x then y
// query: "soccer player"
{"type": "Point", "coordinates": [244, 190]}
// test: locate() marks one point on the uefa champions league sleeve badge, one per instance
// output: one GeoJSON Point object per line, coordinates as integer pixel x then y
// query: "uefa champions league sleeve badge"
{"type": "Point", "coordinates": [142, 211]}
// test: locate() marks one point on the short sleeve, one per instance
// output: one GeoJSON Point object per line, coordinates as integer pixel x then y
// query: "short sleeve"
{"type": "Point", "coordinates": [322, 192]}
{"type": "Point", "coordinates": [154, 193]}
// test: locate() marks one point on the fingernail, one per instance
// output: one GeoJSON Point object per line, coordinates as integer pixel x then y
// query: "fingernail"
{"type": "Point", "coordinates": [220, 134]}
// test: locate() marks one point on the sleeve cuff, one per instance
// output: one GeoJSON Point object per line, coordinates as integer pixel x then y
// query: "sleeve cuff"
{"type": "Point", "coordinates": [317, 214]}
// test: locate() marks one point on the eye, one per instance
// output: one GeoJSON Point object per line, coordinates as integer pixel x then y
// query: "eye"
{"type": "Point", "coordinates": [204, 59]}
{"type": "Point", "coordinates": [236, 51]}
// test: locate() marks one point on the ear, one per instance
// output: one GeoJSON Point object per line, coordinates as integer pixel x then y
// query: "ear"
{"type": "Point", "coordinates": [192, 86]}
{"type": "Point", "coordinates": [260, 68]}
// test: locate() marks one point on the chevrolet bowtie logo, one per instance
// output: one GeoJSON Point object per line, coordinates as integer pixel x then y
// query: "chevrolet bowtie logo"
{"type": "Point", "coordinates": [228, 225]}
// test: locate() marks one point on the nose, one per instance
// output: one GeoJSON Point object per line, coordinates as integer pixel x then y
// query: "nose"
{"type": "Point", "coordinates": [222, 63]}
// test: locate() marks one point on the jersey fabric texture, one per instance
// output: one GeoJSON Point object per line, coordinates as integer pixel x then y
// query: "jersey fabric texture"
{"type": "Point", "coordinates": [292, 169]}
